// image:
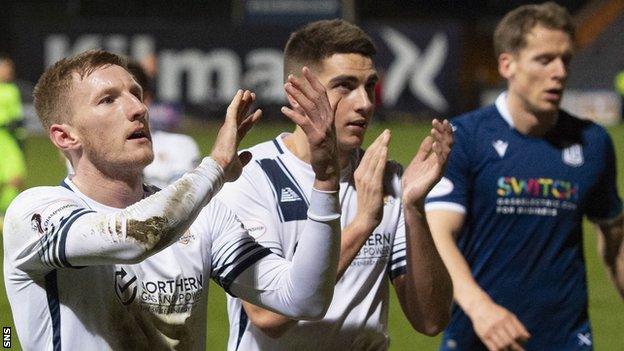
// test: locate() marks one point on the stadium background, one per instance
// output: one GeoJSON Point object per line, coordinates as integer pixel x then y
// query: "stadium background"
{"type": "Point", "coordinates": [435, 59]}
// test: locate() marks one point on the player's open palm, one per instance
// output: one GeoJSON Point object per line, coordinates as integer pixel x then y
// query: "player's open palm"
{"type": "Point", "coordinates": [237, 123]}
{"type": "Point", "coordinates": [314, 114]}
{"type": "Point", "coordinates": [427, 167]}
{"type": "Point", "coordinates": [498, 328]}
{"type": "Point", "coordinates": [369, 181]}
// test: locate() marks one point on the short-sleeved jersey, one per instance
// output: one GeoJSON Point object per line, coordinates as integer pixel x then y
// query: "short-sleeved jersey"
{"type": "Point", "coordinates": [524, 199]}
{"type": "Point", "coordinates": [271, 199]}
{"type": "Point", "coordinates": [157, 304]}
{"type": "Point", "coordinates": [174, 155]}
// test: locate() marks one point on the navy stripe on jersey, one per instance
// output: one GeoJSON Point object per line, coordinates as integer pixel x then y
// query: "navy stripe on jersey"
{"type": "Point", "coordinates": [234, 259]}
{"type": "Point", "coordinates": [51, 286]}
{"type": "Point", "coordinates": [277, 146]}
{"type": "Point", "coordinates": [292, 204]}
{"type": "Point", "coordinates": [397, 264]}
{"type": "Point", "coordinates": [242, 325]}
{"type": "Point", "coordinates": [52, 248]}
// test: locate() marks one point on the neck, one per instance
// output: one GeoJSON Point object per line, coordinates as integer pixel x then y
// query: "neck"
{"type": "Point", "coordinates": [119, 189]}
{"type": "Point", "coordinates": [297, 143]}
{"type": "Point", "coordinates": [528, 122]}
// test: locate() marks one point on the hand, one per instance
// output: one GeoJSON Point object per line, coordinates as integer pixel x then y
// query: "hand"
{"type": "Point", "coordinates": [307, 94]}
{"type": "Point", "coordinates": [498, 328]}
{"type": "Point", "coordinates": [237, 124]}
{"type": "Point", "coordinates": [427, 166]}
{"type": "Point", "coordinates": [369, 182]}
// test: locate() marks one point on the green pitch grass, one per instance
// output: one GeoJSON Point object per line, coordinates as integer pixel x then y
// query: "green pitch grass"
{"type": "Point", "coordinates": [606, 307]}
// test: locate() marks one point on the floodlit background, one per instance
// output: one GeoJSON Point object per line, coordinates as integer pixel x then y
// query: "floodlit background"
{"type": "Point", "coordinates": [435, 60]}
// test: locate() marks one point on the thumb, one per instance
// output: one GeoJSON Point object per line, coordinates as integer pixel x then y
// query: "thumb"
{"type": "Point", "coordinates": [245, 157]}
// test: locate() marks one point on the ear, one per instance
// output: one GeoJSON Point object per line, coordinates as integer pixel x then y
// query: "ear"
{"type": "Point", "coordinates": [64, 137]}
{"type": "Point", "coordinates": [506, 65]}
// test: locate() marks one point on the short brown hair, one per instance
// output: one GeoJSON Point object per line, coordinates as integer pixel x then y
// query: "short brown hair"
{"type": "Point", "coordinates": [312, 43]}
{"type": "Point", "coordinates": [510, 34]}
{"type": "Point", "coordinates": [51, 94]}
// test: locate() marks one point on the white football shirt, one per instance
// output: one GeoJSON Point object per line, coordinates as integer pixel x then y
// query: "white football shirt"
{"type": "Point", "coordinates": [271, 199]}
{"type": "Point", "coordinates": [159, 303]}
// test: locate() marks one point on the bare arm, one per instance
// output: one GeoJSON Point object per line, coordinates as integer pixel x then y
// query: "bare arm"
{"type": "Point", "coordinates": [611, 248]}
{"type": "Point", "coordinates": [498, 328]}
{"type": "Point", "coordinates": [425, 291]}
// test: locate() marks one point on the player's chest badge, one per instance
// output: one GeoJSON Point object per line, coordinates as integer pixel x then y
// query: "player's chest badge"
{"type": "Point", "coordinates": [573, 155]}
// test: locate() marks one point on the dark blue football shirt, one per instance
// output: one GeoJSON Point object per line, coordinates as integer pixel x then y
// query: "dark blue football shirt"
{"type": "Point", "coordinates": [524, 199]}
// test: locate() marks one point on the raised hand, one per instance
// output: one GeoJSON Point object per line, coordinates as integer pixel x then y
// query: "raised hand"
{"type": "Point", "coordinates": [427, 166]}
{"type": "Point", "coordinates": [237, 124]}
{"type": "Point", "coordinates": [369, 182]}
{"type": "Point", "coordinates": [306, 94]}
{"type": "Point", "coordinates": [498, 328]}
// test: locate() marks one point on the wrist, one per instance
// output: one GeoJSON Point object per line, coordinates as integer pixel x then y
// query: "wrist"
{"type": "Point", "coordinates": [474, 303]}
{"type": "Point", "coordinates": [417, 206]}
{"type": "Point", "coordinates": [364, 223]}
{"type": "Point", "coordinates": [331, 183]}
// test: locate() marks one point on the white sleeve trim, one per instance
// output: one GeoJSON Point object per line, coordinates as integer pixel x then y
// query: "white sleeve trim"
{"type": "Point", "coordinates": [445, 205]}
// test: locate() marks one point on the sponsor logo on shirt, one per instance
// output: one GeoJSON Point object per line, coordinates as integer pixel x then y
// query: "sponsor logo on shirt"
{"type": "Point", "coordinates": [288, 195]}
{"type": "Point", "coordinates": [535, 196]}
{"type": "Point", "coordinates": [376, 249]}
{"type": "Point", "coordinates": [254, 227]}
{"type": "Point", "coordinates": [125, 286]}
{"type": "Point", "coordinates": [161, 296]}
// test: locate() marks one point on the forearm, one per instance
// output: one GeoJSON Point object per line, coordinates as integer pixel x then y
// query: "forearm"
{"type": "Point", "coordinates": [611, 248]}
{"type": "Point", "coordinates": [427, 289]}
{"type": "Point", "coordinates": [303, 288]}
{"type": "Point", "coordinates": [144, 228]}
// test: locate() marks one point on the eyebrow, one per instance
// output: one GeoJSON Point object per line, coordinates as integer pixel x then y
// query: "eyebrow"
{"type": "Point", "coordinates": [352, 79]}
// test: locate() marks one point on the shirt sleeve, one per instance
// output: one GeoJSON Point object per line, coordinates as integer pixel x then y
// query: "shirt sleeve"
{"type": "Point", "coordinates": [301, 289]}
{"type": "Point", "coordinates": [603, 201]}
{"type": "Point", "coordinates": [451, 192]}
{"type": "Point", "coordinates": [249, 200]}
{"type": "Point", "coordinates": [50, 228]}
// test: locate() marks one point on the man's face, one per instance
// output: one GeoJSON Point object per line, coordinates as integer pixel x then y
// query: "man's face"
{"type": "Point", "coordinates": [350, 79]}
{"type": "Point", "coordinates": [111, 119]}
{"type": "Point", "coordinates": [537, 73]}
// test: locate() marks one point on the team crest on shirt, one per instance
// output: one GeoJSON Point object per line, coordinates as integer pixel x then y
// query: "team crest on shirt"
{"type": "Point", "coordinates": [573, 155]}
{"type": "Point", "coordinates": [186, 238]}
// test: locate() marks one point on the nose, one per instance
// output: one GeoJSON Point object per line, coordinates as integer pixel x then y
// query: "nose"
{"type": "Point", "coordinates": [560, 69]}
{"type": "Point", "coordinates": [364, 101]}
{"type": "Point", "coordinates": [135, 108]}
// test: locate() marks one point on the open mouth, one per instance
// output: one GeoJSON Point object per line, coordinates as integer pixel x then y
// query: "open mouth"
{"type": "Point", "coordinates": [359, 124]}
{"type": "Point", "coordinates": [139, 134]}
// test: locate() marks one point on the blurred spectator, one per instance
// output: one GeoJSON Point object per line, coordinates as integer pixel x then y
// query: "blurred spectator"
{"type": "Point", "coordinates": [12, 165]}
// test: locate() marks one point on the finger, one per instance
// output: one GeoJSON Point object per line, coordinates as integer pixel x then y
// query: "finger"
{"type": "Point", "coordinates": [489, 344]}
{"type": "Point", "coordinates": [244, 157]}
{"type": "Point", "coordinates": [381, 165]}
{"type": "Point", "coordinates": [294, 104]}
{"type": "Point", "coordinates": [305, 86]}
{"type": "Point", "coordinates": [297, 118]}
{"type": "Point", "coordinates": [315, 83]}
{"type": "Point", "coordinates": [248, 123]}
{"type": "Point", "coordinates": [511, 335]}
{"type": "Point", "coordinates": [232, 109]}
{"type": "Point", "coordinates": [521, 330]}
{"type": "Point", "coordinates": [424, 149]}
{"type": "Point", "coordinates": [373, 146]}
{"type": "Point", "coordinates": [498, 340]}
{"type": "Point", "coordinates": [302, 100]}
